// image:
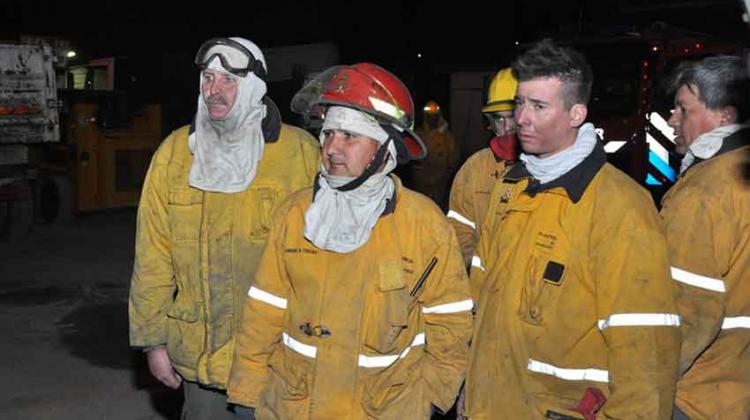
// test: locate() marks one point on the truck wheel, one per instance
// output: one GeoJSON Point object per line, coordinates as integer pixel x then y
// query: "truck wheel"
{"type": "Point", "coordinates": [56, 199]}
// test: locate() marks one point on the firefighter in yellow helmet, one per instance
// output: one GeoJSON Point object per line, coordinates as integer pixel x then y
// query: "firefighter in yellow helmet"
{"type": "Point", "coordinates": [431, 176]}
{"type": "Point", "coordinates": [576, 316]}
{"type": "Point", "coordinates": [360, 308]}
{"type": "Point", "coordinates": [470, 193]}
{"type": "Point", "coordinates": [203, 220]}
{"type": "Point", "coordinates": [707, 219]}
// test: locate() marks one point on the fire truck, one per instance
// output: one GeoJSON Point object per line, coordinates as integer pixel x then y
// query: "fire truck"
{"type": "Point", "coordinates": [69, 139]}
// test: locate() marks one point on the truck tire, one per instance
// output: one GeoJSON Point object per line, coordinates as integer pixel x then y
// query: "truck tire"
{"type": "Point", "coordinates": [56, 199]}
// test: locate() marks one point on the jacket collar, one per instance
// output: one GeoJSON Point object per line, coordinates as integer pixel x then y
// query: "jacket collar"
{"type": "Point", "coordinates": [735, 141]}
{"type": "Point", "coordinates": [390, 204]}
{"type": "Point", "coordinates": [574, 182]}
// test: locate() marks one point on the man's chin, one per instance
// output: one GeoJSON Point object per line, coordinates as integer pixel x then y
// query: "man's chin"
{"type": "Point", "coordinates": [337, 173]}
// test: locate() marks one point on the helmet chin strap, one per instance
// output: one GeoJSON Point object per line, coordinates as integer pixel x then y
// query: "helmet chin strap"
{"type": "Point", "coordinates": [373, 167]}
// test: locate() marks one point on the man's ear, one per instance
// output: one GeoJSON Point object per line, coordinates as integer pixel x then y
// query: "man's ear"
{"type": "Point", "coordinates": [728, 115]}
{"type": "Point", "coordinates": [578, 113]}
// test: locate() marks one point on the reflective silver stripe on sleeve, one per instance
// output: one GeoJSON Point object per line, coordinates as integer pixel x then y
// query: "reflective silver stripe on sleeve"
{"type": "Point", "coordinates": [735, 322]}
{"type": "Point", "coordinates": [301, 348]}
{"type": "Point", "coordinates": [635, 320]}
{"type": "Point", "coordinates": [590, 374]}
{"type": "Point", "coordinates": [477, 262]}
{"type": "Point", "coordinates": [708, 283]}
{"type": "Point", "coordinates": [449, 308]}
{"type": "Point", "coordinates": [266, 297]}
{"type": "Point", "coordinates": [385, 361]}
{"type": "Point", "coordinates": [452, 214]}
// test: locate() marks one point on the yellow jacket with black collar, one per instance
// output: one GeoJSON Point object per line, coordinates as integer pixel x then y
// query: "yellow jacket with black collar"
{"type": "Point", "coordinates": [574, 293]}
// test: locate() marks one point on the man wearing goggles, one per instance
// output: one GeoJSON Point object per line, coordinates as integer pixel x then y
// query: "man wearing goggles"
{"type": "Point", "coordinates": [203, 219]}
{"type": "Point", "coordinates": [234, 57]}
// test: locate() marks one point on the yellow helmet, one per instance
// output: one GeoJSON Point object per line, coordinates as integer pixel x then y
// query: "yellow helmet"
{"type": "Point", "coordinates": [502, 91]}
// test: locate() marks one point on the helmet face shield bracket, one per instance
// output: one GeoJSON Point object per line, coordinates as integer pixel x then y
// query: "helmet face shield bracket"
{"type": "Point", "coordinates": [238, 64]}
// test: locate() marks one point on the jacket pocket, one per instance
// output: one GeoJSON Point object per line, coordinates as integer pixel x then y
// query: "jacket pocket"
{"type": "Point", "coordinates": [544, 279]}
{"type": "Point", "coordinates": [290, 379]}
{"type": "Point", "coordinates": [184, 307]}
{"type": "Point", "coordinates": [185, 207]}
{"type": "Point", "coordinates": [287, 394]}
{"type": "Point", "coordinates": [387, 310]}
{"type": "Point", "coordinates": [263, 201]}
{"type": "Point", "coordinates": [397, 390]}
{"type": "Point", "coordinates": [185, 336]}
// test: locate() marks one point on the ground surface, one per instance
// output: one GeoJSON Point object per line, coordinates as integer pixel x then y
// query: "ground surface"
{"type": "Point", "coordinates": [63, 325]}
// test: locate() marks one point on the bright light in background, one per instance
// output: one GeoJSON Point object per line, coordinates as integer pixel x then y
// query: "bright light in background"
{"type": "Point", "coordinates": [517, 43]}
{"type": "Point", "coordinates": [70, 54]}
{"type": "Point", "coordinates": [419, 55]}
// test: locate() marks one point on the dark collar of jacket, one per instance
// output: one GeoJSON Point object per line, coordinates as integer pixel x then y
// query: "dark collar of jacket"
{"type": "Point", "coordinates": [271, 124]}
{"type": "Point", "coordinates": [575, 181]}
{"type": "Point", "coordinates": [734, 141]}
{"type": "Point", "coordinates": [390, 204]}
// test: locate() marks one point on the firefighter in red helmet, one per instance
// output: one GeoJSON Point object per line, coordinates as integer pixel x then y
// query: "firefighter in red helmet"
{"type": "Point", "coordinates": [361, 305]}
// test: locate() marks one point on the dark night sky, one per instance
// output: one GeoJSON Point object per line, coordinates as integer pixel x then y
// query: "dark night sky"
{"type": "Point", "coordinates": [456, 32]}
{"type": "Point", "coordinates": [160, 38]}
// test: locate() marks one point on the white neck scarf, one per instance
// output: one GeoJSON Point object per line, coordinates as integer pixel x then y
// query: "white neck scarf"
{"type": "Point", "coordinates": [707, 144]}
{"type": "Point", "coordinates": [342, 221]}
{"type": "Point", "coordinates": [226, 152]}
{"type": "Point", "coordinates": [552, 167]}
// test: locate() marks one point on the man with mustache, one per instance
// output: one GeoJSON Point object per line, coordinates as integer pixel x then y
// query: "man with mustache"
{"type": "Point", "coordinates": [203, 219]}
{"type": "Point", "coordinates": [360, 308]}
{"type": "Point", "coordinates": [708, 232]}
{"type": "Point", "coordinates": [576, 315]}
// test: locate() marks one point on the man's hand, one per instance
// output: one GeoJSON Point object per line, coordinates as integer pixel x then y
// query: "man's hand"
{"type": "Point", "coordinates": [460, 404]}
{"type": "Point", "coordinates": [161, 367]}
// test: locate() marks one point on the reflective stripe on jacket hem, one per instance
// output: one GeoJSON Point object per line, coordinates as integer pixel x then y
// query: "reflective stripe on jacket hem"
{"type": "Point", "coordinates": [449, 308]}
{"type": "Point", "coordinates": [590, 374]}
{"type": "Point", "coordinates": [703, 282]}
{"type": "Point", "coordinates": [639, 320]}
{"type": "Point", "coordinates": [301, 348]}
{"type": "Point", "coordinates": [385, 361]}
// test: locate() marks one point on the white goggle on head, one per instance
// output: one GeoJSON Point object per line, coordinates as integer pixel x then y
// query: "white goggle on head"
{"type": "Point", "coordinates": [235, 57]}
